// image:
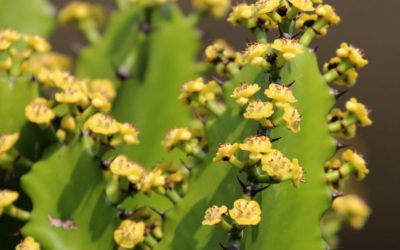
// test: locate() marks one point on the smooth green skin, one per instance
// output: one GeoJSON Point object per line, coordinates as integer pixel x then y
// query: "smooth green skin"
{"type": "Point", "coordinates": [68, 184]}
{"type": "Point", "coordinates": [290, 217]}
{"type": "Point", "coordinates": [30, 17]}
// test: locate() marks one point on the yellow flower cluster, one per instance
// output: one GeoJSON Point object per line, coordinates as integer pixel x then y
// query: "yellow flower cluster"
{"type": "Point", "coordinates": [355, 55]}
{"type": "Point", "coordinates": [245, 92]}
{"type": "Point", "coordinates": [258, 110]}
{"type": "Point", "coordinates": [39, 111]}
{"type": "Point", "coordinates": [7, 142]}
{"type": "Point", "coordinates": [129, 234]}
{"type": "Point", "coordinates": [204, 91]}
{"type": "Point", "coordinates": [353, 209]}
{"type": "Point", "coordinates": [254, 53]}
{"type": "Point", "coordinates": [225, 152]}
{"type": "Point", "coordinates": [29, 243]}
{"type": "Point", "coordinates": [288, 47]}
{"type": "Point", "coordinates": [346, 131]}
{"type": "Point", "coordinates": [281, 94]}
{"type": "Point", "coordinates": [7, 198]}
{"type": "Point", "coordinates": [241, 12]}
{"type": "Point", "coordinates": [217, 7]}
{"type": "Point", "coordinates": [222, 55]}
{"type": "Point", "coordinates": [359, 110]}
{"type": "Point", "coordinates": [348, 78]}
{"type": "Point", "coordinates": [328, 13]}
{"type": "Point", "coordinates": [257, 146]}
{"type": "Point", "coordinates": [244, 212]}
{"type": "Point", "coordinates": [81, 11]}
{"type": "Point", "coordinates": [357, 161]}
{"type": "Point", "coordinates": [175, 136]}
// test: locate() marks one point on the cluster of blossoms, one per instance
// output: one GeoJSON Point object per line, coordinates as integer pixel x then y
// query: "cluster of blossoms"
{"type": "Point", "coordinates": [28, 243]}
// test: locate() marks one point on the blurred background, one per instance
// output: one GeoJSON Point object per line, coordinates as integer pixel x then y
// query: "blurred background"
{"type": "Point", "coordinates": [373, 26]}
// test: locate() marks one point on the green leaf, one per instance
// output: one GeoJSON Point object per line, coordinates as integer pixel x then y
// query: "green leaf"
{"type": "Point", "coordinates": [31, 17]}
{"type": "Point", "coordinates": [286, 212]}
{"type": "Point", "coordinates": [68, 184]}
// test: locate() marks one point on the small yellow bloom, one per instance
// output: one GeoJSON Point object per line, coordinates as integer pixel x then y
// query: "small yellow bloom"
{"type": "Point", "coordinates": [359, 110]}
{"type": "Point", "coordinates": [7, 197]}
{"type": "Point", "coordinates": [357, 162]}
{"type": "Point", "coordinates": [289, 48]}
{"type": "Point", "coordinates": [240, 12]}
{"type": "Point", "coordinates": [258, 110]}
{"type": "Point", "coordinates": [104, 87]}
{"type": "Point", "coordinates": [129, 133]}
{"type": "Point", "coordinates": [219, 50]}
{"type": "Point", "coordinates": [333, 163]}
{"type": "Point", "coordinates": [297, 173]}
{"type": "Point", "coordinates": [28, 244]}
{"type": "Point", "coordinates": [254, 53]}
{"type": "Point", "coordinates": [281, 94]}
{"type": "Point", "coordinates": [302, 5]}
{"type": "Point", "coordinates": [4, 44]}
{"type": "Point", "coordinates": [100, 102]}
{"type": "Point", "coordinates": [102, 124]}
{"type": "Point", "coordinates": [354, 208]}
{"type": "Point", "coordinates": [150, 179]}
{"type": "Point", "coordinates": [349, 78]}
{"type": "Point", "coordinates": [346, 132]}
{"type": "Point", "coordinates": [7, 141]}
{"type": "Point", "coordinates": [244, 92]}
{"type": "Point", "coordinates": [175, 136]}
{"type": "Point", "coordinates": [49, 61]}
{"type": "Point", "coordinates": [305, 21]}
{"type": "Point", "coordinates": [225, 151]}
{"type": "Point", "coordinates": [256, 145]}
{"type": "Point", "coordinates": [78, 11]}
{"type": "Point", "coordinates": [292, 117]}
{"type": "Point", "coordinates": [10, 35]}
{"type": "Point", "coordinates": [266, 6]}
{"type": "Point", "coordinates": [38, 43]}
{"type": "Point", "coordinates": [217, 7]}
{"type": "Point", "coordinates": [190, 87]}
{"type": "Point", "coordinates": [61, 134]}
{"type": "Point", "coordinates": [71, 95]}
{"type": "Point", "coordinates": [355, 55]}
{"type": "Point", "coordinates": [211, 91]}
{"type": "Point", "coordinates": [122, 166]}
{"type": "Point", "coordinates": [166, 166]}
{"type": "Point", "coordinates": [245, 212]}
{"type": "Point", "coordinates": [178, 177]}
{"type": "Point", "coordinates": [38, 111]}
{"type": "Point", "coordinates": [129, 234]}
{"type": "Point", "coordinates": [327, 12]}
{"type": "Point", "coordinates": [275, 163]}
{"type": "Point", "coordinates": [214, 215]}
{"type": "Point", "coordinates": [68, 123]}
{"type": "Point", "coordinates": [63, 79]}
{"type": "Point", "coordinates": [5, 65]}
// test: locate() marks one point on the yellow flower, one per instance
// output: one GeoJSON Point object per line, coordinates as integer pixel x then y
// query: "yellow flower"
{"type": "Point", "coordinates": [254, 53]}
{"type": "Point", "coordinates": [218, 51]}
{"type": "Point", "coordinates": [51, 60]}
{"type": "Point", "coordinates": [240, 12]}
{"type": "Point", "coordinates": [266, 6]}
{"type": "Point", "coordinates": [178, 177]}
{"type": "Point", "coordinates": [347, 132]}
{"type": "Point", "coordinates": [354, 208]}
{"type": "Point", "coordinates": [257, 110]}
{"type": "Point", "coordinates": [349, 78]}
{"type": "Point", "coordinates": [175, 136]}
{"type": "Point", "coordinates": [5, 65]}
{"type": "Point", "coordinates": [275, 164]}
{"type": "Point", "coordinates": [190, 87]}
{"type": "Point", "coordinates": [289, 48]}
{"type": "Point", "coordinates": [150, 179]}
{"type": "Point", "coordinates": [102, 124]}
{"type": "Point", "coordinates": [292, 117]}
{"type": "Point", "coordinates": [281, 94]}
{"type": "Point", "coordinates": [63, 79]}
{"type": "Point", "coordinates": [297, 173]}
{"type": "Point", "coordinates": [225, 151]}
{"type": "Point", "coordinates": [245, 212]}
{"type": "Point", "coordinates": [100, 102]}
{"type": "Point", "coordinates": [122, 166]}
{"type": "Point", "coordinates": [71, 95]}
{"type": "Point", "coordinates": [214, 215]}
{"type": "Point", "coordinates": [211, 90]}
{"type": "Point", "coordinates": [359, 110]}
{"type": "Point", "coordinates": [4, 44]}
{"type": "Point", "coordinates": [305, 21]}
{"type": "Point", "coordinates": [333, 163]}
{"type": "Point", "coordinates": [68, 123]}
{"type": "Point", "coordinates": [217, 7]}
{"type": "Point", "coordinates": [7, 141]}
{"type": "Point", "coordinates": [28, 244]}
{"type": "Point", "coordinates": [129, 133]}
{"type": "Point", "coordinates": [78, 11]}
{"type": "Point", "coordinates": [244, 92]}
{"type": "Point", "coordinates": [38, 43]}
{"type": "Point", "coordinates": [302, 5]}
{"type": "Point", "coordinates": [256, 145]}
{"type": "Point", "coordinates": [10, 35]}
{"type": "Point", "coordinates": [38, 111]}
{"type": "Point", "coordinates": [104, 87]}
{"type": "Point", "coordinates": [355, 55]}
{"type": "Point", "coordinates": [328, 13]}
{"type": "Point", "coordinates": [129, 233]}
{"type": "Point", "coordinates": [357, 162]}
{"type": "Point", "coordinates": [7, 197]}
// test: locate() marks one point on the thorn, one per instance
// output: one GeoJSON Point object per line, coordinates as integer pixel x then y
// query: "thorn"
{"type": "Point", "coordinates": [250, 189]}
{"type": "Point", "coordinates": [241, 183]}
{"type": "Point", "coordinates": [314, 50]}
{"type": "Point", "coordinates": [220, 82]}
{"type": "Point", "coordinates": [276, 139]}
{"type": "Point", "coordinates": [16, 234]}
{"type": "Point", "coordinates": [297, 34]}
{"type": "Point", "coordinates": [124, 214]}
{"type": "Point", "coordinates": [338, 93]}
{"type": "Point", "coordinates": [283, 34]}
{"type": "Point", "coordinates": [336, 195]}
{"type": "Point", "coordinates": [261, 189]}
{"type": "Point", "coordinates": [204, 121]}
{"type": "Point", "coordinates": [190, 168]}
{"type": "Point", "coordinates": [222, 246]}
{"type": "Point", "coordinates": [290, 84]}
{"type": "Point", "coordinates": [161, 214]}
{"type": "Point", "coordinates": [340, 146]}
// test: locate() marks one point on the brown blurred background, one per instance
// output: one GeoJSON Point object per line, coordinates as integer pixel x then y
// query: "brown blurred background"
{"type": "Point", "coordinates": [368, 24]}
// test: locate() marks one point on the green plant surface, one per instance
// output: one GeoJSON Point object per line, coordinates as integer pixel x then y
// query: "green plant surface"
{"type": "Point", "coordinates": [36, 19]}
{"type": "Point", "coordinates": [285, 210]}
{"type": "Point", "coordinates": [68, 184]}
